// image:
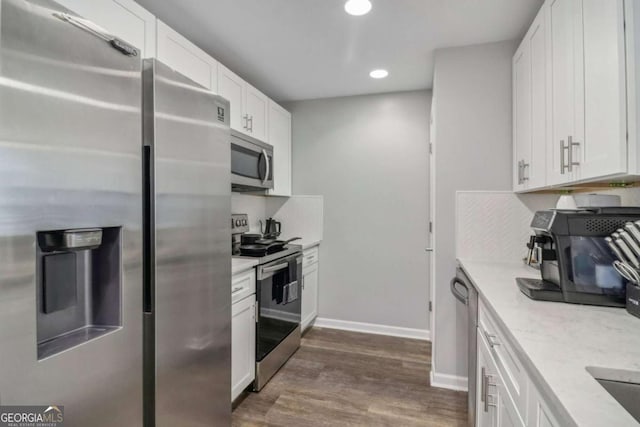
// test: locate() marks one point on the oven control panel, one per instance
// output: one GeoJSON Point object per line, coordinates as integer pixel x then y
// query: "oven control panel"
{"type": "Point", "coordinates": [239, 223]}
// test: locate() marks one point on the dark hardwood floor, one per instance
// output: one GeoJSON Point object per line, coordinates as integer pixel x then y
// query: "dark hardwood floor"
{"type": "Point", "coordinates": [340, 378]}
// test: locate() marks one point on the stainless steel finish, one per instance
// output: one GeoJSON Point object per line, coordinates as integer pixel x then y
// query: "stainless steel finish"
{"type": "Point", "coordinates": [274, 268]}
{"type": "Point", "coordinates": [627, 252]}
{"type": "Point", "coordinates": [485, 390]}
{"type": "Point", "coordinates": [257, 146]}
{"type": "Point", "coordinates": [524, 168]}
{"type": "Point", "coordinates": [189, 326]}
{"type": "Point", "coordinates": [562, 159]}
{"type": "Point", "coordinates": [266, 162]}
{"type": "Point", "coordinates": [570, 145]}
{"type": "Point", "coordinates": [267, 270]}
{"type": "Point", "coordinates": [627, 271]}
{"type": "Point", "coordinates": [630, 242]}
{"type": "Point", "coordinates": [470, 299]}
{"type": "Point", "coordinates": [250, 120]}
{"type": "Point", "coordinates": [70, 156]}
{"type": "Point", "coordinates": [615, 249]}
{"type": "Point", "coordinates": [520, 162]}
{"type": "Point", "coordinates": [246, 122]}
{"type": "Point", "coordinates": [634, 230]}
{"type": "Point", "coordinates": [624, 386]}
{"type": "Point", "coordinates": [266, 368]}
{"type": "Point", "coordinates": [483, 381]}
{"type": "Point", "coordinates": [239, 223]}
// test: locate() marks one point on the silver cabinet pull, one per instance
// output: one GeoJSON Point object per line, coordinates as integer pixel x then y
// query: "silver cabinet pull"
{"type": "Point", "coordinates": [237, 289]}
{"type": "Point", "coordinates": [524, 167]}
{"type": "Point", "coordinates": [519, 172]}
{"type": "Point", "coordinates": [483, 388]}
{"type": "Point", "coordinates": [490, 338]}
{"type": "Point", "coordinates": [251, 121]}
{"type": "Point", "coordinates": [570, 144]}
{"type": "Point", "coordinates": [562, 165]}
{"type": "Point", "coordinates": [246, 122]}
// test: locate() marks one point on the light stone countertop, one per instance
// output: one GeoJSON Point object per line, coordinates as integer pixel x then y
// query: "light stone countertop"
{"type": "Point", "coordinates": [307, 244]}
{"type": "Point", "coordinates": [557, 341]}
{"type": "Point", "coordinates": [240, 265]}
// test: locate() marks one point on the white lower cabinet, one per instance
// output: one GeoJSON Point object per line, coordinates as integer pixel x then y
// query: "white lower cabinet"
{"type": "Point", "coordinates": [243, 335]}
{"type": "Point", "coordinates": [310, 276]}
{"type": "Point", "coordinates": [506, 395]}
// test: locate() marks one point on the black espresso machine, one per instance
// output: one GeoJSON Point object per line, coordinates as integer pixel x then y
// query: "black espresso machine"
{"type": "Point", "coordinates": [576, 263]}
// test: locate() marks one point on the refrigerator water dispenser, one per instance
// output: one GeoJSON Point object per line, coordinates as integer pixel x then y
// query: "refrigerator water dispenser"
{"type": "Point", "coordinates": [79, 275]}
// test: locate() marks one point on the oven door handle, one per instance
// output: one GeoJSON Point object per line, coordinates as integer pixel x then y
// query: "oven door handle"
{"type": "Point", "coordinates": [276, 267]}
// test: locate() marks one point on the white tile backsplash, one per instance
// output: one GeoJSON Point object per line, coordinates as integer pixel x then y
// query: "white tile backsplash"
{"type": "Point", "coordinates": [495, 226]}
{"type": "Point", "coordinates": [492, 225]}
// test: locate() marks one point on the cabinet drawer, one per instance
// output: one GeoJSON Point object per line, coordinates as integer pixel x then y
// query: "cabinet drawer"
{"type": "Point", "coordinates": [511, 369]}
{"type": "Point", "coordinates": [310, 256]}
{"type": "Point", "coordinates": [243, 285]}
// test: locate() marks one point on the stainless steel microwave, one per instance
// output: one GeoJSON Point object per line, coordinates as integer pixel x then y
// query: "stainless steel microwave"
{"type": "Point", "coordinates": [251, 163]}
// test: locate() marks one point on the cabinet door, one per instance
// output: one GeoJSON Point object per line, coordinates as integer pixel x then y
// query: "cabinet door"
{"type": "Point", "coordinates": [605, 140]}
{"type": "Point", "coordinates": [243, 341]}
{"type": "Point", "coordinates": [124, 19]}
{"type": "Point", "coordinates": [507, 413]}
{"type": "Point", "coordinates": [280, 138]}
{"type": "Point", "coordinates": [522, 114]}
{"type": "Point", "coordinates": [231, 87]}
{"type": "Point", "coordinates": [566, 77]}
{"type": "Point", "coordinates": [486, 415]}
{"type": "Point", "coordinates": [256, 107]}
{"type": "Point", "coordinates": [186, 58]}
{"type": "Point", "coordinates": [538, 413]}
{"type": "Point", "coordinates": [535, 173]}
{"type": "Point", "coordinates": [309, 295]}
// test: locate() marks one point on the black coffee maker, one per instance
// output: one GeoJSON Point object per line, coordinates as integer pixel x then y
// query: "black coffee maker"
{"type": "Point", "coordinates": [576, 263]}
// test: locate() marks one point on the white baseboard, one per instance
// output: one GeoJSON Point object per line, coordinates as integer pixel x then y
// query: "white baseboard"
{"type": "Point", "coordinates": [450, 382]}
{"type": "Point", "coordinates": [372, 328]}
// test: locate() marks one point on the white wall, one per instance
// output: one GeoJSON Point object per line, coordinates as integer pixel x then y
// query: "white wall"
{"type": "Point", "coordinates": [472, 145]}
{"type": "Point", "coordinates": [368, 157]}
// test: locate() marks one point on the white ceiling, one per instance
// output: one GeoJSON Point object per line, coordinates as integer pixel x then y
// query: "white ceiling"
{"type": "Point", "coordinates": [303, 49]}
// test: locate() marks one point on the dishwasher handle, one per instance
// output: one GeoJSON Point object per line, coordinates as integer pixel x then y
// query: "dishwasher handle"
{"type": "Point", "coordinates": [455, 290]}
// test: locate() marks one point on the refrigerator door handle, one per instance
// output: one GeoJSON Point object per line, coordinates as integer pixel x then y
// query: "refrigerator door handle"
{"type": "Point", "coordinates": [99, 32]}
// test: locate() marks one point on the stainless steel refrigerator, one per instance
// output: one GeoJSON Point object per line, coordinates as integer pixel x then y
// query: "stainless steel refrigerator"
{"type": "Point", "coordinates": [71, 321]}
{"type": "Point", "coordinates": [119, 319]}
{"type": "Point", "coordinates": [187, 251]}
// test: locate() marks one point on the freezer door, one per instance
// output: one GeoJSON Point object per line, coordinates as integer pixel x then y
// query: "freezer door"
{"type": "Point", "coordinates": [187, 133]}
{"type": "Point", "coordinates": [70, 218]}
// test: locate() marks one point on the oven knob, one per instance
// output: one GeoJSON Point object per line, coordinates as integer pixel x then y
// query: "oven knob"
{"type": "Point", "coordinates": [244, 222]}
{"type": "Point", "coordinates": [238, 223]}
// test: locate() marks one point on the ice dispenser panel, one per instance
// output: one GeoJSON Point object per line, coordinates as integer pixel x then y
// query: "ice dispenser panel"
{"type": "Point", "coordinates": [79, 277]}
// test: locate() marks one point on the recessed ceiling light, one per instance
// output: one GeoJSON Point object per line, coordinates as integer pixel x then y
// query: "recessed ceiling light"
{"type": "Point", "coordinates": [357, 7]}
{"type": "Point", "coordinates": [379, 74]}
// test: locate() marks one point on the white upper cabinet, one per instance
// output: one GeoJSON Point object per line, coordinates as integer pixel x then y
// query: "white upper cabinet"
{"type": "Point", "coordinates": [249, 106]}
{"type": "Point", "coordinates": [570, 91]}
{"type": "Point", "coordinates": [183, 56]}
{"type": "Point", "coordinates": [279, 121]}
{"type": "Point", "coordinates": [530, 107]}
{"type": "Point", "coordinates": [125, 19]}
{"type": "Point", "coordinates": [605, 114]}
{"type": "Point", "coordinates": [256, 108]}
{"type": "Point", "coordinates": [231, 87]}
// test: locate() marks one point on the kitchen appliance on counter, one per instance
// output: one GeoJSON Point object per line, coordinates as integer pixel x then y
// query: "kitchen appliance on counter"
{"type": "Point", "coordinates": [187, 300]}
{"type": "Point", "coordinates": [251, 164]}
{"type": "Point", "coordinates": [278, 298]}
{"type": "Point", "coordinates": [467, 294]}
{"type": "Point", "coordinates": [576, 261]}
{"type": "Point", "coordinates": [272, 228]}
{"type": "Point", "coordinates": [71, 280]}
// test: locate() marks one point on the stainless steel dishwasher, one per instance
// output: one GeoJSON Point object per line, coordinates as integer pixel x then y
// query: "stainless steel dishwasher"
{"type": "Point", "coordinates": [466, 293]}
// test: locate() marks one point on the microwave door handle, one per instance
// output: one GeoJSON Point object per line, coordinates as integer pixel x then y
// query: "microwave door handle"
{"type": "Point", "coordinates": [266, 161]}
